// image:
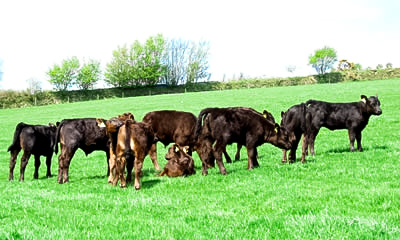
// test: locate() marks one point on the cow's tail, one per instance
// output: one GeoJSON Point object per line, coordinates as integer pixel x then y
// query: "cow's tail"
{"type": "Point", "coordinates": [128, 150]}
{"type": "Point", "coordinates": [303, 113]}
{"type": "Point", "coordinates": [57, 137]}
{"type": "Point", "coordinates": [199, 121]}
{"type": "Point", "coordinates": [15, 144]}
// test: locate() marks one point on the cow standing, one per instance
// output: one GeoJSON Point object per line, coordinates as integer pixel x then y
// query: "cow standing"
{"type": "Point", "coordinates": [180, 163]}
{"type": "Point", "coordinates": [112, 127]}
{"type": "Point", "coordinates": [294, 120]}
{"type": "Point", "coordinates": [33, 139]}
{"type": "Point", "coordinates": [83, 133]}
{"type": "Point", "coordinates": [245, 126]}
{"type": "Point", "coordinates": [353, 116]}
{"type": "Point", "coordinates": [134, 138]}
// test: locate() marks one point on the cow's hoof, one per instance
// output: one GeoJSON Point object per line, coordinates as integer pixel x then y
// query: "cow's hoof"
{"type": "Point", "coordinates": [122, 185]}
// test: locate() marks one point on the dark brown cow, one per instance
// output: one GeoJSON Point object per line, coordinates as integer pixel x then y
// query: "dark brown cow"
{"type": "Point", "coordinates": [33, 139]}
{"type": "Point", "coordinates": [134, 138]}
{"type": "Point", "coordinates": [268, 116]}
{"type": "Point", "coordinates": [83, 133]}
{"type": "Point", "coordinates": [353, 116]}
{"type": "Point", "coordinates": [294, 120]}
{"type": "Point", "coordinates": [179, 162]}
{"type": "Point", "coordinates": [245, 126]}
{"type": "Point", "coordinates": [112, 127]}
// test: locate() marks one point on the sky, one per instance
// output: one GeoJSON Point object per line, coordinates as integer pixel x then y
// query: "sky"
{"type": "Point", "coordinates": [256, 38]}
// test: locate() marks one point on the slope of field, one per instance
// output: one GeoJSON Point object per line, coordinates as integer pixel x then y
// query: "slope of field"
{"type": "Point", "coordinates": [336, 194]}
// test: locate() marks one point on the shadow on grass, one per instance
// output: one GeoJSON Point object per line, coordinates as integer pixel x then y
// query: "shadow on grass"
{"type": "Point", "coordinates": [365, 149]}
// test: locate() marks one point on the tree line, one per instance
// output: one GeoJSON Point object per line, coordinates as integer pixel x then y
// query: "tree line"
{"type": "Point", "coordinates": [156, 61]}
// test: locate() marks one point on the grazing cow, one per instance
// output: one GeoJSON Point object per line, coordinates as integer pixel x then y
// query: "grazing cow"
{"type": "Point", "coordinates": [353, 116]}
{"type": "Point", "coordinates": [179, 162]}
{"type": "Point", "coordinates": [134, 138]}
{"type": "Point", "coordinates": [268, 116]}
{"type": "Point", "coordinates": [245, 126]}
{"type": "Point", "coordinates": [112, 127]}
{"type": "Point", "coordinates": [33, 139]}
{"type": "Point", "coordinates": [294, 120]}
{"type": "Point", "coordinates": [83, 133]}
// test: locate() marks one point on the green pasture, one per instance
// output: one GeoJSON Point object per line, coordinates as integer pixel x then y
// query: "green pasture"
{"type": "Point", "coordinates": [335, 195]}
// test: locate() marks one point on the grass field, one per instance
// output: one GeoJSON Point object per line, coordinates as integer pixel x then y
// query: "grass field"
{"type": "Point", "coordinates": [335, 195]}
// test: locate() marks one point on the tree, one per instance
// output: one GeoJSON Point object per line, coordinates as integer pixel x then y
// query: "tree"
{"type": "Point", "coordinates": [34, 85]}
{"type": "Point", "coordinates": [323, 59]}
{"type": "Point", "coordinates": [63, 76]}
{"type": "Point", "coordinates": [187, 62]}
{"type": "Point", "coordinates": [140, 65]}
{"type": "Point", "coordinates": [88, 74]}
{"type": "Point", "coordinates": [118, 72]}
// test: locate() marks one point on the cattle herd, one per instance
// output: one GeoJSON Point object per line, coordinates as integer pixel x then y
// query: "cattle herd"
{"type": "Point", "coordinates": [127, 142]}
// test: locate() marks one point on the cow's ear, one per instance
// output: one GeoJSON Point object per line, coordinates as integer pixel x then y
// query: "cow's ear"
{"type": "Point", "coordinates": [51, 125]}
{"type": "Point", "coordinates": [100, 122]}
{"type": "Point", "coordinates": [276, 127]}
{"type": "Point", "coordinates": [176, 149]}
{"type": "Point", "coordinates": [364, 98]}
{"type": "Point", "coordinates": [282, 114]}
{"type": "Point", "coordinates": [186, 149]}
{"type": "Point", "coordinates": [265, 114]}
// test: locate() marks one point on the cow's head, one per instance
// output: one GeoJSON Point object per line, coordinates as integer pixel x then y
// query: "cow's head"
{"type": "Point", "coordinates": [111, 125]}
{"type": "Point", "coordinates": [178, 154]}
{"type": "Point", "coordinates": [126, 116]}
{"type": "Point", "coordinates": [280, 137]}
{"type": "Point", "coordinates": [373, 105]}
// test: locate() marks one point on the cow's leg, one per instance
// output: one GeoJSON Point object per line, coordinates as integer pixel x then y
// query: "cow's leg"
{"type": "Point", "coordinates": [218, 149]}
{"type": "Point", "coordinates": [139, 157]}
{"type": "Point", "coordinates": [24, 162]}
{"type": "Point", "coordinates": [237, 155]}
{"type": "Point", "coordinates": [112, 166]}
{"type": "Point", "coordinates": [254, 159]}
{"type": "Point", "coordinates": [251, 157]}
{"type": "Point", "coordinates": [64, 161]}
{"type": "Point", "coordinates": [153, 156]}
{"type": "Point", "coordinates": [37, 165]}
{"type": "Point", "coordinates": [352, 137]}
{"type": "Point", "coordinates": [121, 163]}
{"type": "Point", "coordinates": [227, 157]}
{"type": "Point", "coordinates": [48, 164]}
{"type": "Point", "coordinates": [284, 159]}
{"type": "Point", "coordinates": [13, 160]}
{"type": "Point", "coordinates": [311, 140]}
{"type": "Point", "coordinates": [358, 138]}
{"type": "Point", "coordinates": [129, 166]}
{"type": "Point", "coordinates": [108, 162]}
{"type": "Point", "coordinates": [304, 147]}
{"type": "Point", "coordinates": [292, 153]}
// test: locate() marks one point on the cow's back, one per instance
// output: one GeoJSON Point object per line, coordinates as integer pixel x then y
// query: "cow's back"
{"type": "Point", "coordinates": [83, 133]}
{"type": "Point", "coordinates": [172, 126]}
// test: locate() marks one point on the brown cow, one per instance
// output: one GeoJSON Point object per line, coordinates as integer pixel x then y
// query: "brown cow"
{"type": "Point", "coordinates": [112, 127]}
{"type": "Point", "coordinates": [134, 138]}
{"type": "Point", "coordinates": [245, 126]}
{"type": "Point", "coordinates": [179, 162]}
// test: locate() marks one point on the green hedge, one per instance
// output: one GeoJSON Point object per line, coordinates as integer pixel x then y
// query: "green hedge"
{"type": "Point", "coordinates": [15, 99]}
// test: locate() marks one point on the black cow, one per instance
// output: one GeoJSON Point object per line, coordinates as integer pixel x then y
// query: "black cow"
{"type": "Point", "coordinates": [245, 126]}
{"type": "Point", "coordinates": [83, 133]}
{"type": "Point", "coordinates": [33, 139]}
{"type": "Point", "coordinates": [294, 120]}
{"type": "Point", "coordinates": [353, 116]}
